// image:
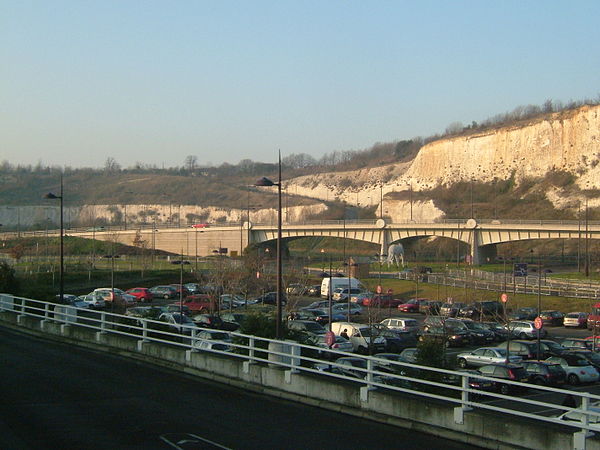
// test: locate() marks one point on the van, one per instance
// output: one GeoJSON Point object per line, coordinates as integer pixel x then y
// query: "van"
{"type": "Point", "coordinates": [330, 284]}
{"type": "Point", "coordinates": [359, 335]}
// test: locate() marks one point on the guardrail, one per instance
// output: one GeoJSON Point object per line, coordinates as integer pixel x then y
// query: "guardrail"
{"type": "Point", "coordinates": [393, 377]}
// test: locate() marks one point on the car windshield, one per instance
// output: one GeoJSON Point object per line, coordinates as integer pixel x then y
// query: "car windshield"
{"type": "Point", "coordinates": [554, 346]}
{"type": "Point", "coordinates": [219, 336]}
{"type": "Point", "coordinates": [314, 327]}
{"type": "Point", "coordinates": [572, 316]}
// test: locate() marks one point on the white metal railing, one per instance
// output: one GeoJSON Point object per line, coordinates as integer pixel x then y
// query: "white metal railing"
{"type": "Point", "coordinates": [375, 373]}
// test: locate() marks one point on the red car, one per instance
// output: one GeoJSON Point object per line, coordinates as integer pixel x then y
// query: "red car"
{"type": "Point", "coordinates": [386, 301]}
{"type": "Point", "coordinates": [411, 306]}
{"type": "Point", "coordinates": [141, 294]}
{"type": "Point", "coordinates": [201, 225]}
{"type": "Point", "coordinates": [199, 303]}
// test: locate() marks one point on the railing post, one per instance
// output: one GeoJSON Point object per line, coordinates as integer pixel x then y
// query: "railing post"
{"type": "Point", "coordinates": [193, 349]}
{"type": "Point", "coordinates": [295, 361]}
{"type": "Point", "coordinates": [459, 411]}
{"type": "Point", "coordinates": [246, 364]}
{"type": "Point", "coordinates": [364, 390]}
{"type": "Point", "coordinates": [579, 438]}
{"type": "Point", "coordinates": [140, 343]}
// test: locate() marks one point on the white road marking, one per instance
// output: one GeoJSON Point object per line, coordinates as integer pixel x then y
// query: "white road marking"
{"type": "Point", "coordinates": [195, 440]}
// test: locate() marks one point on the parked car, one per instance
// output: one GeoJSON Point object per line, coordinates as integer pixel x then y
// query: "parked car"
{"type": "Point", "coordinates": [575, 319]}
{"type": "Point", "coordinates": [578, 368]}
{"type": "Point", "coordinates": [409, 355]}
{"type": "Point", "coordinates": [362, 336]}
{"type": "Point", "coordinates": [355, 309]}
{"type": "Point", "coordinates": [527, 313]}
{"type": "Point", "coordinates": [141, 294]}
{"type": "Point", "coordinates": [317, 304]}
{"type": "Point", "coordinates": [577, 344]}
{"type": "Point", "coordinates": [213, 340]}
{"type": "Point", "coordinates": [401, 324]}
{"type": "Point", "coordinates": [478, 333]}
{"type": "Point", "coordinates": [592, 357]}
{"type": "Point", "coordinates": [382, 301]}
{"type": "Point", "coordinates": [545, 373]}
{"type": "Point", "coordinates": [93, 300]}
{"type": "Point", "coordinates": [500, 332]}
{"type": "Point", "coordinates": [552, 318]}
{"type": "Point", "coordinates": [396, 341]}
{"type": "Point", "coordinates": [430, 307]}
{"type": "Point", "coordinates": [447, 337]}
{"type": "Point", "coordinates": [451, 309]}
{"type": "Point", "coordinates": [181, 290]}
{"type": "Point", "coordinates": [193, 288]}
{"type": "Point", "coordinates": [552, 348]}
{"type": "Point", "coordinates": [232, 321]}
{"type": "Point", "coordinates": [165, 292]}
{"type": "Point", "coordinates": [110, 294]}
{"type": "Point", "coordinates": [341, 294]}
{"type": "Point", "coordinates": [478, 310]}
{"type": "Point", "coordinates": [512, 372]}
{"type": "Point", "coordinates": [296, 289]}
{"type": "Point", "coordinates": [232, 301]}
{"type": "Point", "coordinates": [411, 306]}
{"type": "Point", "coordinates": [180, 323]}
{"type": "Point", "coordinates": [199, 303]}
{"type": "Point", "coordinates": [527, 349]}
{"type": "Point", "coordinates": [525, 330]}
{"type": "Point", "coordinates": [314, 290]}
{"type": "Point", "coordinates": [74, 300]}
{"type": "Point", "coordinates": [270, 298]}
{"type": "Point", "coordinates": [359, 299]}
{"type": "Point", "coordinates": [484, 356]}
{"type": "Point", "coordinates": [340, 344]}
{"type": "Point", "coordinates": [307, 326]}
{"type": "Point", "coordinates": [207, 321]}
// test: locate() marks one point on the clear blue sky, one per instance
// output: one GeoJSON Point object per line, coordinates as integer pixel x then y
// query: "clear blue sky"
{"type": "Point", "coordinates": [155, 81]}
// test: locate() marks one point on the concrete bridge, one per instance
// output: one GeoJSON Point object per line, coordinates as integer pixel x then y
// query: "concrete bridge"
{"type": "Point", "coordinates": [482, 236]}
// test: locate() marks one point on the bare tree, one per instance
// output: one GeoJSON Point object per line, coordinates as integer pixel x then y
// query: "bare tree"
{"type": "Point", "coordinates": [111, 165]}
{"type": "Point", "coordinates": [190, 162]}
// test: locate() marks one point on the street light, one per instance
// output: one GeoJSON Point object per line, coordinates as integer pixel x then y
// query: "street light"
{"type": "Point", "coordinates": [265, 182]}
{"type": "Point", "coordinates": [51, 196]}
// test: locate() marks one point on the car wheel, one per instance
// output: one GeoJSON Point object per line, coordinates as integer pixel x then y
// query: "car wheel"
{"type": "Point", "coordinates": [504, 389]}
{"type": "Point", "coordinates": [539, 381]}
{"type": "Point", "coordinates": [166, 296]}
{"type": "Point", "coordinates": [462, 362]}
{"type": "Point", "coordinates": [362, 350]}
{"type": "Point", "coordinates": [573, 379]}
{"type": "Point", "coordinates": [522, 336]}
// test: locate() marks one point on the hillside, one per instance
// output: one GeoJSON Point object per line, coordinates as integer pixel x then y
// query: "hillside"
{"type": "Point", "coordinates": [543, 167]}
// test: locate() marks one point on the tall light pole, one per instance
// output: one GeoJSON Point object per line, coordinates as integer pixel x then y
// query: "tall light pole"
{"type": "Point", "coordinates": [52, 196]}
{"type": "Point", "coordinates": [265, 182]}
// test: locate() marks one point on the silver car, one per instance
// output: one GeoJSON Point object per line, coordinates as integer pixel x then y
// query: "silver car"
{"type": "Point", "coordinates": [484, 356]}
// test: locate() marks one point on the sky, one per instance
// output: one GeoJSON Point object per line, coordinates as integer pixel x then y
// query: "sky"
{"type": "Point", "coordinates": [156, 81]}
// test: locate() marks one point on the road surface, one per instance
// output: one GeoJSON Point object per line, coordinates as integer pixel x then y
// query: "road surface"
{"type": "Point", "coordinates": [56, 396]}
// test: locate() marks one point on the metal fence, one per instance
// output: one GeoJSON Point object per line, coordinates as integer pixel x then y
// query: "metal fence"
{"type": "Point", "coordinates": [395, 378]}
{"type": "Point", "coordinates": [495, 282]}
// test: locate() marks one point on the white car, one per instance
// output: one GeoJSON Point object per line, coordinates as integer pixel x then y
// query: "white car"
{"type": "Point", "coordinates": [401, 324]}
{"type": "Point", "coordinates": [484, 356]}
{"type": "Point", "coordinates": [94, 301]}
{"type": "Point", "coordinates": [579, 370]}
{"type": "Point", "coordinates": [213, 340]}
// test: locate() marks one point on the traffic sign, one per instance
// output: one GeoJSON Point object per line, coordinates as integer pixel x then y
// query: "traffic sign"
{"type": "Point", "coordinates": [330, 338]}
{"type": "Point", "coordinates": [379, 289]}
{"type": "Point", "coordinates": [504, 298]}
{"type": "Point", "coordinates": [538, 323]}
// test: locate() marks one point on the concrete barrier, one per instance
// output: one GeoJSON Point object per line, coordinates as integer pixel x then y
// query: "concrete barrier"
{"type": "Point", "coordinates": [481, 428]}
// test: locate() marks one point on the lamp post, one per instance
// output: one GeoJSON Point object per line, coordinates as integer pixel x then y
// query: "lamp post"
{"type": "Point", "coordinates": [52, 196]}
{"type": "Point", "coordinates": [265, 182]}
